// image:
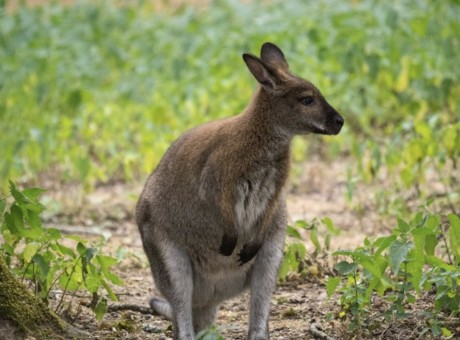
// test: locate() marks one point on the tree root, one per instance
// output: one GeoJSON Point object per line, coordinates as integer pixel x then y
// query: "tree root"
{"type": "Point", "coordinates": [116, 307]}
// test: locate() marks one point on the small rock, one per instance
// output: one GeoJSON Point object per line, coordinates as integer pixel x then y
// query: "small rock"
{"type": "Point", "coordinates": [151, 329]}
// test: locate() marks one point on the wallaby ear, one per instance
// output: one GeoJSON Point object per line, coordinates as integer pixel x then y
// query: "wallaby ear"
{"type": "Point", "coordinates": [271, 54]}
{"type": "Point", "coordinates": [260, 71]}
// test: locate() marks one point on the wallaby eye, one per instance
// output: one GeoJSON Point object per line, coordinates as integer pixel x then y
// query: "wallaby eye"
{"type": "Point", "coordinates": [307, 100]}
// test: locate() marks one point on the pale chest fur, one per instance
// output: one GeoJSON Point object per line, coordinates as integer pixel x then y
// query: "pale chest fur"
{"type": "Point", "coordinates": [253, 195]}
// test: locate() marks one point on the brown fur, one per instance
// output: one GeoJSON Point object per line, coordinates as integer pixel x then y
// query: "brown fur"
{"type": "Point", "coordinates": [218, 188]}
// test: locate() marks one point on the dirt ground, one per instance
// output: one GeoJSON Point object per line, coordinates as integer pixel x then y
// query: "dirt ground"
{"type": "Point", "coordinates": [298, 305]}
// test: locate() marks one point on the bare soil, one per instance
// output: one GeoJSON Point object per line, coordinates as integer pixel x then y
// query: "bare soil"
{"type": "Point", "coordinates": [298, 305]}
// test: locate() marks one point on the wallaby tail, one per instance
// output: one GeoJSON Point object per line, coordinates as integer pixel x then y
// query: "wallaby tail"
{"type": "Point", "coordinates": [161, 307]}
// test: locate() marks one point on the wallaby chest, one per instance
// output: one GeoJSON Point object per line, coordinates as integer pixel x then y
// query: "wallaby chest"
{"type": "Point", "coordinates": [253, 193]}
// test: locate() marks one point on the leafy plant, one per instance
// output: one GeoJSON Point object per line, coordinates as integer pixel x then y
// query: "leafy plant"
{"type": "Point", "coordinates": [296, 257]}
{"type": "Point", "coordinates": [100, 90]}
{"type": "Point", "coordinates": [211, 333]}
{"type": "Point", "coordinates": [394, 267]}
{"type": "Point", "coordinates": [42, 257]}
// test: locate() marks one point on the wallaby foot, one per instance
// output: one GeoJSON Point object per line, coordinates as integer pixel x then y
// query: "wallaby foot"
{"type": "Point", "coordinates": [228, 245]}
{"type": "Point", "coordinates": [161, 307]}
{"type": "Point", "coordinates": [248, 252]}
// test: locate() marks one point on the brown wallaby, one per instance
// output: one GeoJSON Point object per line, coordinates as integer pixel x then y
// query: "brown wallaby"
{"type": "Point", "coordinates": [218, 188]}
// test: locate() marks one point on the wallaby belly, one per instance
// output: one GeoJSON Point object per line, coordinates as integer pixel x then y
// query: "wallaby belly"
{"type": "Point", "coordinates": [211, 288]}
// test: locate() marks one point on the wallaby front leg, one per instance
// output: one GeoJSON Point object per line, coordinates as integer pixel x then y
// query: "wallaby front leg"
{"type": "Point", "coordinates": [228, 245]}
{"type": "Point", "coordinates": [263, 281]}
{"type": "Point", "coordinates": [248, 252]}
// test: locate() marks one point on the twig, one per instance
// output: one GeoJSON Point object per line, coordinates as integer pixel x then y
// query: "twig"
{"type": "Point", "coordinates": [124, 306]}
{"type": "Point", "coordinates": [386, 328]}
{"type": "Point", "coordinates": [317, 333]}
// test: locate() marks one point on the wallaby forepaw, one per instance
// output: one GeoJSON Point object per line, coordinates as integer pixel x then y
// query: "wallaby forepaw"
{"type": "Point", "coordinates": [248, 252]}
{"type": "Point", "coordinates": [228, 245]}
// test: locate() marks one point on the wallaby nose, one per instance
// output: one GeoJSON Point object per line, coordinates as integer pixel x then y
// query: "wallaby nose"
{"type": "Point", "coordinates": [339, 120]}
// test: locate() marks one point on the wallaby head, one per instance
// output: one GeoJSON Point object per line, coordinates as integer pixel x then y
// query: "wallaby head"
{"type": "Point", "coordinates": [298, 105]}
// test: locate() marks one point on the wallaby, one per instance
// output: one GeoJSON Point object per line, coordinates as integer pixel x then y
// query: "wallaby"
{"type": "Point", "coordinates": [218, 188]}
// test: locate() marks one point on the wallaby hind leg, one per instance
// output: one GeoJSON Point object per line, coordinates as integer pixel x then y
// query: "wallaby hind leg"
{"type": "Point", "coordinates": [162, 307]}
{"type": "Point", "coordinates": [173, 276]}
{"type": "Point", "coordinates": [203, 317]}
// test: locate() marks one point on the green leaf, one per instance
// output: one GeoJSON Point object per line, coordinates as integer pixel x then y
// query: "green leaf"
{"type": "Point", "coordinates": [18, 196]}
{"type": "Point", "coordinates": [446, 332]}
{"type": "Point", "coordinates": [383, 243]}
{"type": "Point", "coordinates": [331, 285]}
{"type": "Point", "coordinates": [331, 228]}
{"type": "Point", "coordinates": [314, 239]}
{"type": "Point", "coordinates": [90, 252]}
{"type": "Point", "coordinates": [81, 248]}
{"type": "Point", "coordinates": [93, 282]}
{"type": "Point", "coordinates": [402, 82]}
{"type": "Point", "coordinates": [437, 262]}
{"type": "Point", "coordinates": [372, 267]}
{"type": "Point", "coordinates": [34, 220]}
{"type": "Point", "coordinates": [30, 250]}
{"type": "Point", "coordinates": [284, 268]}
{"type": "Point", "coordinates": [345, 268]}
{"type": "Point", "coordinates": [53, 234]}
{"type": "Point", "coordinates": [106, 261]}
{"type": "Point", "coordinates": [210, 333]}
{"type": "Point", "coordinates": [431, 242]}
{"type": "Point", "coordinates": [433, 222]}
{"type": "Point", "coordinates": [33, 193]}
{"type": "Point", "coordinates": [32, 234]}
{"type": "Point", "coordinates": [113, 278]}
{"type": "Point", "coordinates": [43, 265]}
{"type": "Point", "coordinates": [101, 308]}
{"type": "Point", "coordinates": [83, 165]}
{"type": "Point", "coordinates": [454, 235]}
{"type": "Point", "coordinates": [7, 248]}
{"type": "Point", "coordinates": [403, 226]}
{"type": "Point", "coordinates": [416, 261]}
{"type": "Point", "coordinates": [65, 250]}
{"type": "Point", "coordinates": [344, 252]}
{"type": "Point", "coordinates": [291, 231]}
{"type": "Point", "coordinates": [77, 238]}
{"type": "Point", "coordinates": [109, 290]}
{"type": "Point", "coordinates": [302, 224]}
{"type": "Point", "coordinates": [373, 284]}
{"type": "Point", "coordinates": [398, 254]}
{"type": "Point", "coordinates": [2, 205]}
{"type": "Point", "coordinates": [10, 224]}
{"type": "Point", "coordinates": [34, 207]}
{"type": "Point", "coordinates": [327, 242]}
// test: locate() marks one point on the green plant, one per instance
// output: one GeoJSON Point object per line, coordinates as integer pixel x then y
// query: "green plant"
{"type": "Point", "coordinates": [44, 258]}
{"type": "Point", "coordinates": [98, 91]}
{"type": "Point", "coordinates": [401, 266]}
{"type": "Point", "coordinates": [212, 333]}
{"type": "Point", "coordinates": [296, 258]}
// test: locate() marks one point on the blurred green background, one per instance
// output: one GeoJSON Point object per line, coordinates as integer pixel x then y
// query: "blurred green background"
{"type": "Point", "coordinates": [95, 91]}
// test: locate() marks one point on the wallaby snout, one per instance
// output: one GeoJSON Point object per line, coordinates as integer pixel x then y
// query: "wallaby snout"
{"type": "Point", "coordinates": [334, 121]}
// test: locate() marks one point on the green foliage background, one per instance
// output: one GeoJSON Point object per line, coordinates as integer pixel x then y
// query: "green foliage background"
{"type": "Point", "coordinates": [97, 91]}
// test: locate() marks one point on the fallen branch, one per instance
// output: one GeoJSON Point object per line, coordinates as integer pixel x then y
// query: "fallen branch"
{"type": "Point", "coordinates": [318, 333]}
{"type": "Point", "coordinates": [116, 307]}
